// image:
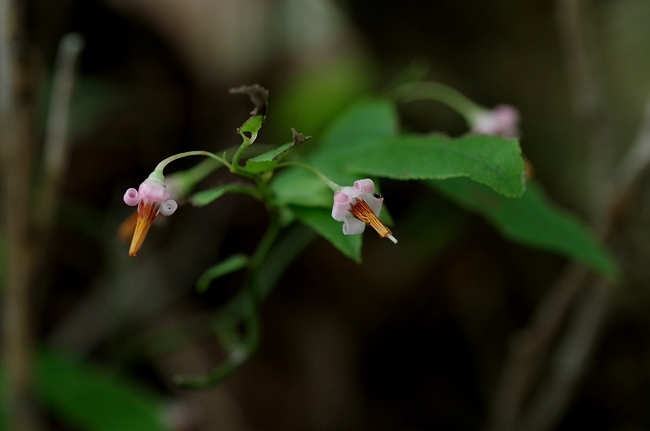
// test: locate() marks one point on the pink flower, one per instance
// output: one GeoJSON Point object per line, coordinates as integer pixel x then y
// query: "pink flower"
{"type": "Point", "coordinates": [357, 206]}
{"type": "Point", "coordinates": [151, 198]}
{"type": "Point", "coordinates": [502, 120]}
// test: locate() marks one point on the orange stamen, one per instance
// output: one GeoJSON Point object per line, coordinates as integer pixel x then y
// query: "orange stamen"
{"type": "Point", "coordinates": [147, 212]}
{"type": "Point", "coordinates": [360, 210]}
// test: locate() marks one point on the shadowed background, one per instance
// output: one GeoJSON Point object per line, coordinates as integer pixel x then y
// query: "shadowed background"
{"type": "Point", "coordinates": [418, 336]}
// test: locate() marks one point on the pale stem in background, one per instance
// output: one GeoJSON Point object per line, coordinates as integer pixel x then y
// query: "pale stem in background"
{"type": "Point", "coordinates": [548, 357]}
{"type": "Point", "coordinates": [56, 145]}
{"type": "Point", "coordinates": [577, 39]}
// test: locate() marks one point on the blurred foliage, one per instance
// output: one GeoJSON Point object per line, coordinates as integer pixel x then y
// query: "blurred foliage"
{"type": "Point", "coordinates": [533, 220]}
{"type": "Point", "coordinates": [93, 399]}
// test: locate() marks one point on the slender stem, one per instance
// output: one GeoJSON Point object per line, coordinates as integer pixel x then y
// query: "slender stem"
{"type": "Point", "coordinates": [266, 242]}
{"type": "Point", "coordinates": [55, 152]}
{"type": "Point", "coordinates": [186, 180]}
{"type": "Point", "coordinates": [331, 184]}
{"type": "Point", "coordinates": [441, 93]}
{"type": "Point", "coordinates": [168, 160]}
{"type": "Point", "coordinates": [280, 257]}
{"type": "Point", "coordinates": [247, 143]}
{"type": "Point", "coordinates": [577, 36]}
{"type": "Point", "coordinates": [247, 306]}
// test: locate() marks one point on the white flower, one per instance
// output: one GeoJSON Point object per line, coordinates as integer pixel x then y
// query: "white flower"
{"type": "Point", "coordinates": [357, 206]}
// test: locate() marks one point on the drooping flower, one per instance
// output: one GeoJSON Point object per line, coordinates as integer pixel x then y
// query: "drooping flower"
{"type": "Point", "coordinates": [502, 120]}
{"type": "Point", "coordinates": [152, 197]}
{"type": "Point", "coordinates": [359, 205]}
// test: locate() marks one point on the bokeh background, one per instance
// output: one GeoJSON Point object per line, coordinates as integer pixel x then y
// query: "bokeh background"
{"type": "Point", "coordinates": [419, 335]}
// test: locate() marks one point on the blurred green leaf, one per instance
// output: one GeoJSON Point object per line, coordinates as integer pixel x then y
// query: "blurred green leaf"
{"type": "Point", "coordinates": [531, 220]}
{"type": "Point", "coordinates": [313, 98]}
{"type": "Point", "coordinates": [205, 197]}
{"type": "Point", "coordinates": [91, 399]}
{"type": "Point", "coordinates": [322, 222]}
{"type": "Point", "coordinates": [489, 160]}
{"type": "Point", "coordinates": [300, 187]}
{"type": "Point", "coordinates": [231, 264]}
{"type": "Point", "coordinates": [363, 124]}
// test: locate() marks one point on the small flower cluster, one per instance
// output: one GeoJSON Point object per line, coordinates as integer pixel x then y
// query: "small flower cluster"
{"type": "Point", "coordinates": [502, 120]}
{"type": "Point", "coordinates": [152, 197]}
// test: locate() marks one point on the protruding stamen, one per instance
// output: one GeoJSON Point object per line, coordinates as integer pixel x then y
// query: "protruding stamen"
{"type": "Point", "coordinates": [147, 212]}
{"type": "Point", "coordinates": [361, 211]}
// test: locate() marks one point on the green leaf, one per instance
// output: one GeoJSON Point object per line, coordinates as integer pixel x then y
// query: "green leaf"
{"type": "Point", "coordinates": [489, 160]}
{"type": "Point", "coordinates": [297, 186]}
{"type": "Point", "coordinates": [205, 197]}
{"type": "Point", "coordinates": [322, 222]}
{"type": "Point", "coordinates": [231, 264]}
{"type": "Point", "coordinates": [366, 122]}
{"type": "Point", "coordinates": [356, 131]}
{"type": "Point", "coordinates": [248, 131]}
{"type": "Point", "coordinates": [362, 125]}
{"type": "Point", "coordinates": [267, 161]}
{"type": "Point", "coordinates": [252, 125]}
{"type": "Point", "coordinates": [532, 220]}
{"type": "Point", "coordinates": [313, 98]}
{"type": "Point", "coordinates": [91, 399]}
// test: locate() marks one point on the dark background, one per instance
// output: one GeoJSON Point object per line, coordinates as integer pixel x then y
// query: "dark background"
{"type": "Point", "coordinates": [417, 336]}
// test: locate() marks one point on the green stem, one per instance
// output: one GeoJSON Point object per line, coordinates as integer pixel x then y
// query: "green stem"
{"type": "Point", "coordinates": [247, 302]}
{"type": "Point", "coordinates": [331, 184]}
{"type": "Point", "coordinates": [168, 160]}
{"type": "Point", "coordinates": [441, 93]}
{"type": "Point", "coordinates": [235, 159]}
{"type": "Point", "coordinates": [266, 242]}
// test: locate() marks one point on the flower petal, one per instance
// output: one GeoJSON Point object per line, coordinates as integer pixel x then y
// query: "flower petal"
{"type": "Point", "coordinates": [364, 186]}
{"type": "Point", "coordinates": [168, 207]}
{"type": "Point", "coordinates": [352, 226]}
{"type": "Point", "coordinates": [341, 205]}
{"type": "Point", "coordinates": [502, 120]}
{"type": "Point", "coordinates": [132, 197]}
{"type": "Point", "coordinates": [153, 191]}
{"type": "Point", "coordinates": [374, 203]}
